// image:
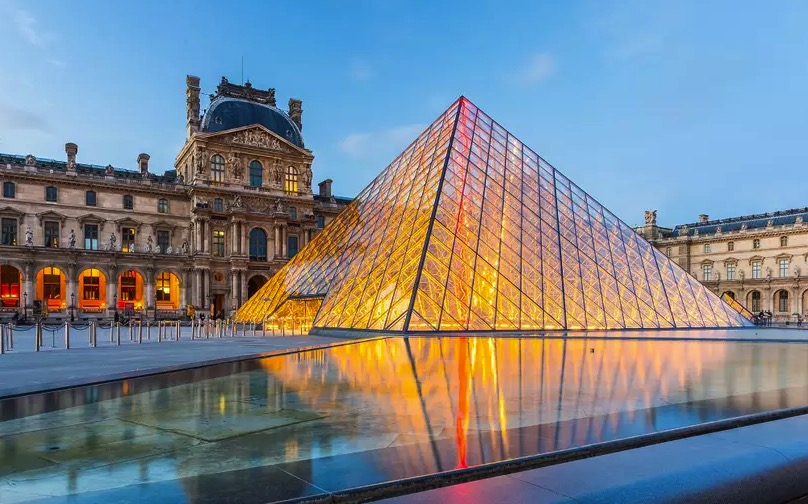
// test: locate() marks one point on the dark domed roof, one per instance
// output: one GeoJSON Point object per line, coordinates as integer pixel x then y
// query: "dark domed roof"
{"type": "Point", "coordinates": [227, 113]}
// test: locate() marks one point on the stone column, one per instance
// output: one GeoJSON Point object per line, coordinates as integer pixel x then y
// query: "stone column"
{"type": "Point", "coordinates": [284, 251]}
{"type": "Point", "coordinates": [234, 290]}
{"type": "Point", "coordinates": [112, 290]}
{"type": "Point", "coordinates": [28, 285]}
{"type": "Point", "coordinates": [276, 242]}
{"type": "Point", "coordinates": [150, 304]}
{"type": "Point", "coordinates": [206, 235]}
{"type": "Point", "coordinates": [72, 297]}
{"type": "Point", "coordinates": [234, 238]}
{"type": "Point", "coordinates": [243, 282]}
{"type": "Point", "coordinates": [183, 289]}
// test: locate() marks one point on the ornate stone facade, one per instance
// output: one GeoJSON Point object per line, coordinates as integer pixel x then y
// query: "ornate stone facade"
{"type": "Point", "coordinates": [757, 259]}
{"type": "Point", "coordinates": [206, 235]}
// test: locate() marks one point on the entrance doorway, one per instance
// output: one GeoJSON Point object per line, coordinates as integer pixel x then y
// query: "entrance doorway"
{"type": "Point", "coordinates": [218, 305]}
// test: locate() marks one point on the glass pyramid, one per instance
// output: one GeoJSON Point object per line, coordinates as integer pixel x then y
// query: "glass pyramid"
{"type": "Point", "coordinates": [470, 230]}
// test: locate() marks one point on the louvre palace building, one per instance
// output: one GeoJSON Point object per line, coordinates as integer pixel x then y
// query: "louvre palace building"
{"type": "Point", "coordinates": [759, 260]}
{"type": "Point", "coordinates": [90, 240]}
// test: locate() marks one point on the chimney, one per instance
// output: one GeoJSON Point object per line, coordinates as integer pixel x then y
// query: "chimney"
{"type": "Point", "coordinates": [325, 188]}
{"type": "Point", "coordinates": [704, 218]}
{"type": "Point", "coordinates": [71, 149]}
{"type": "Point", "coordinates": [143, 164]}
{"type": "Point", "coordinates": [296, 112]}
{"type": "Point", "coordinates": [192, 105]}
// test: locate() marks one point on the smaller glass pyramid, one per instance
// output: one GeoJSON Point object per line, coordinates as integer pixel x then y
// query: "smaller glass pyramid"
{"type": "Point", "coordinates": [470, 230]}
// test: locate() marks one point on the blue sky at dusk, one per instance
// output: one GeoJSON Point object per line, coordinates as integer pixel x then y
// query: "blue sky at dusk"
{"type": "Point", "coordinates": [687, 107]}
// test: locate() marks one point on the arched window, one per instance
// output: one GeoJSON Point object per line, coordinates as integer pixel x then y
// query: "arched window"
{"type": "Point", "coordinates": [217, 168]}
{"type": "Point", "coordinates": [91, 285]}
{"type": "Point", "coordinates": [162, 205]}
{"type": "Point", "coordinates": [784, 241]}
{"type": "Point", "coordinates": [782, 301]}
{"type": "Point", "coordinates": [256, 174]}
{"type": "Point", "coordinates": [755, 301]}
{"type": "Point", "coordinates": [291, 180]}
{"type": "Point", "coordinates": [258, 245]}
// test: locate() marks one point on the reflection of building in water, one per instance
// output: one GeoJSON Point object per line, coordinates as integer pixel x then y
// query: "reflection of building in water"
{"type": "Point", "coordinates": [485, 394]}
{"type": "Point", "coordinates": [410, 406]}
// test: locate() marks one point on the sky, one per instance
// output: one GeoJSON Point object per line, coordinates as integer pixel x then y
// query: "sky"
{"type": "Point", "coordinates": [685, 107]}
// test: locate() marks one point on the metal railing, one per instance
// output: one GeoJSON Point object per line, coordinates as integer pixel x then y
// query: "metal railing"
{"type": "Point", "coordinates": [41, 336]}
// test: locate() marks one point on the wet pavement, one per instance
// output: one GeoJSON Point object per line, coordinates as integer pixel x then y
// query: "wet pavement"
{"type": "Point", "coordinates": [372, 412]}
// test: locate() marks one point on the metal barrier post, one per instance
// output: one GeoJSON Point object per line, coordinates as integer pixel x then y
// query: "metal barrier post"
{"type": "Point", "coordinates": [131, 331]}
{"type": "Point", "coordinates": [192, 329]}
{"type": "Point", "coordinates": [148, 330]}
{"type": "Point", "coordinates": [37, 336]}
{"type": "Point", "coordinates": [11, 336]}
{"type": "Point", "coordinates": [118, 332]}
{"type": "Point", "coordinates": [179, 330]}
{"type": "Point", "coordinates": [159, 331]}
{"type": "Point", "coordinates": [3, 339]}
{"type": "Point", "coordinates": [67, 335]}
{"type": "Point", "coordinates": [93, 334]}
{"type": "Point", "coordinates": [139, 332]}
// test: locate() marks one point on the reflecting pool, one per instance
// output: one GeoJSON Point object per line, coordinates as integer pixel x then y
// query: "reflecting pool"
{"type": "Point", "coordinates": [326, 420]}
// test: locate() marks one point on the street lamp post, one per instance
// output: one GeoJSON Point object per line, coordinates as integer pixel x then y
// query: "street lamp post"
{"type": "Point", "coordinates": [72, 301]}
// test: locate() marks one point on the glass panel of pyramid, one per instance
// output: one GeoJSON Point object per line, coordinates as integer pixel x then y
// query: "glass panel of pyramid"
{"type": "Point", "coordinates": [470, 230]}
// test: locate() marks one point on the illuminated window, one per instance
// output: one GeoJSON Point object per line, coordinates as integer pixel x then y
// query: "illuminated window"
{"type": "Point", "coordinates": [163, 240]}
{"type": "Point", "coordinates": [218, 243]}
{"type": "Point", "coordinates": [9, 231]}
{"type": "Point", "coordinates": [217, 168]}
{"type": "Point", "coordinates": [52, 283]}
{"type": "Point", "coordinates": [51, 194]}
{"type": "Point", "coordinates": [91, 236]}
{"type": "Point", "coordinates": [755, 269]}
{"type": "Point", "coordinates": [782, 301]}
{"type": "Point", "coordinates": [92, 285]}
{"type": "Point", "coordinates": [783, 263]}
{"type": "Point", "coordinates": [218, 205]}
{"type": "Point", "coordinates": [129, 286]}
{"type": "Point", "coordinates": [163, 287]}
{"type": "Point", "coordinates": [9, 284]}
{"type": "Point", "coordinates": [755, 301]}
{"type": "Point", "coordinates": [784, 241]}
{"type": "Point", "coordinates": [51, 234]}
{"type": "Point", "coordinates": [291, 180]}
{"type": "Point", "coordinates": [256, 174]}
{"type": "Point", "coordinates": [706, 248]}
{"type": "Point", "coordinates": [90, 198]}
{"type": "Point", "coordinates": [730, 272]}
{"type": "Point", "coordinates": [9, 190]}
{"type": "Point", "coordinates": [128, 202]}
{"type": "Point", "coordinates": [258, 245]}
{"type": "Point", "coordinates": [755, 243]}
{"type": "Point", "coordinates": [162, 205]}
{"type": "Point", "coordinates": [127, 239]}
{"type": "Point", "coordinates": [291, 246]}
{"type": "Point", "coordinates": [730, 246]}
{"type": "Point", "coordinates": [707, 272]}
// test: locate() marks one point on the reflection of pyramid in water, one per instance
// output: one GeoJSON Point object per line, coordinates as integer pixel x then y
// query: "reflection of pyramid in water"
{"type": "Point", "coordinates": [468, 229]}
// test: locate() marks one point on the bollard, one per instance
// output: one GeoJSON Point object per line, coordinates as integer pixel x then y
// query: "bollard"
{"type": "Point", "coordinates": [179, 330]}
{"type": "Point", "coordinates": [140, 332]}
{"type": "Point", "coordinates": [192, 329]}
{"type": "Point", "coordinates": [67, 335]}
{"type": "Point", "coordinates": [131, 335]}
{"type": "Point", "coordinates": [11, 337]}
{"type": "Point", "coordinates": [37, 335]}
{"type": "Point", "coordinates": [2, 339]}
{"type": "Point", "coordinates": [118, 332]}
{"type": "Point", "coordinates": [159, 331]}
{"type": "Point", "coordinates": [93, 334]}
{"type": "Point", "coordinates": [148, 330]}
{"type": "Point", "coordinates": [264, 329]}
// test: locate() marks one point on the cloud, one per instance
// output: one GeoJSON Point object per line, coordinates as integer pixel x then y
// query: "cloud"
{"type": "Point", "coordinates": [361, 71]}
{"type": "Point", "coordinates": [539, 67]}
{"type": "Point", "coordinates": [27, 26]}
{"type": "Point", "coordinates": [379, 143]}
{"type": "Point", "coordinates": [19, 119]}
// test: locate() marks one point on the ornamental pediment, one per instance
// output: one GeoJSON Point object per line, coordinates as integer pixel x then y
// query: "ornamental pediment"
{"type": "Point", "coordinates": [91, 218]}
{"type": "Point", "coordinates": [11, 211]}
{"type": "Point", "coordinates": [128, 222]}
{"type": "Point", "coordinates": [257, 137]}
{"type": "Point", "coordinates": [50, 215]}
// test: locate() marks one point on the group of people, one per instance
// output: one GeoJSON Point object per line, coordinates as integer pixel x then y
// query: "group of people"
{"type": "Point", "coordinates": [764, 318]}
